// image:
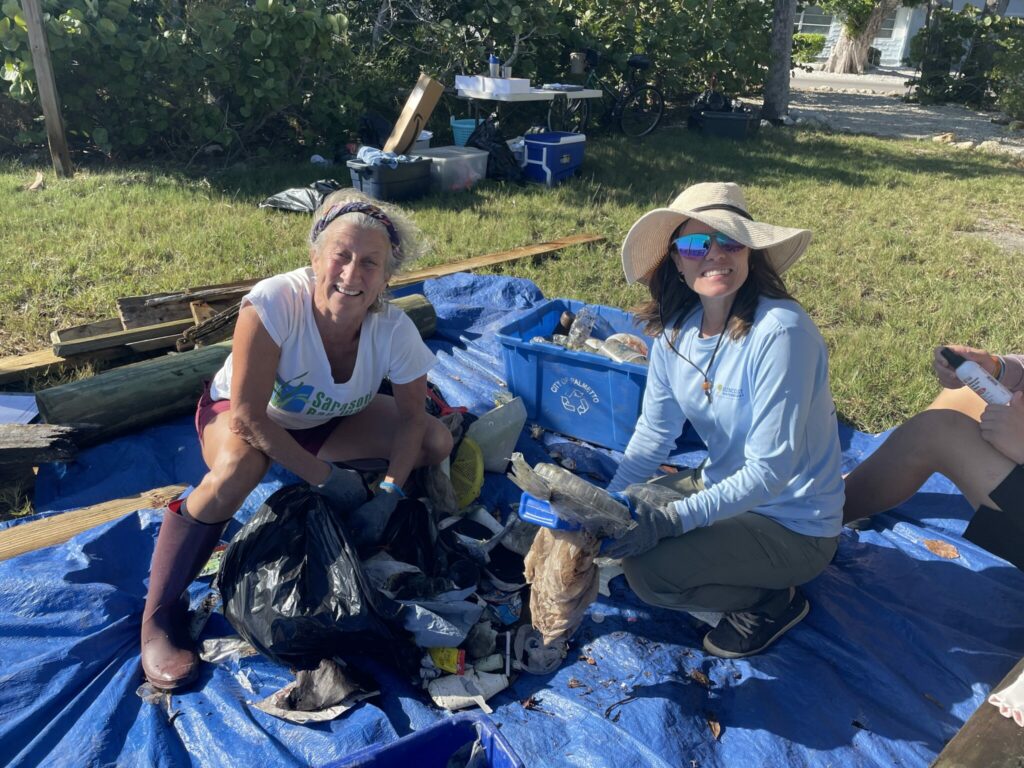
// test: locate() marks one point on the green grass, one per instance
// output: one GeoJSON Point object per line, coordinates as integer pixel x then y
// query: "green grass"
{"type": "Point", "coordinates": [900, 261]}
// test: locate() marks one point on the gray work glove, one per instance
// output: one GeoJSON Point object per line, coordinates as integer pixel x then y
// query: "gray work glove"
{"type": "Point", "coordinates": [344, 487]}
{"type": "Point", "coordinates": [367, 522]}
{"type": "Point", "coordinates": [650, 505]}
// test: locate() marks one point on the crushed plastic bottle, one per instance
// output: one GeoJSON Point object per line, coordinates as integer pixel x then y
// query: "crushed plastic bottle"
{"type": "Point", "coordinates": [621, 353]}
{"type": "Point", "coordinates": [581, 328]}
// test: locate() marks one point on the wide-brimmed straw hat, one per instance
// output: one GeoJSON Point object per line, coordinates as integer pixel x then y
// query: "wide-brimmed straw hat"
{"type": "Point", "coordinates": [720, 206]}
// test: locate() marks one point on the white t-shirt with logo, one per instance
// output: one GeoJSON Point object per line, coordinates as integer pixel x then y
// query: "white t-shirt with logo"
{"type": "Point", "coordinates": [305, 393]}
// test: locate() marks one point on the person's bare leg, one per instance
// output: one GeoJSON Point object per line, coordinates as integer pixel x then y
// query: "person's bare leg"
{"type": "Point", "coordinates": [936, 440]}
{"type": "Point", "coordinates": [962, 400]}
{"type": "Point", "coordinates": [235, 469]}
{"type": "Point", "coordinates": [370, 433]}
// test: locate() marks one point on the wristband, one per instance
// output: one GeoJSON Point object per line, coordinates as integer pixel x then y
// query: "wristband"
{"type": "Point", "coordinates": [389, 487]}
{"type": "Point", "coordinates": [1001, 367]}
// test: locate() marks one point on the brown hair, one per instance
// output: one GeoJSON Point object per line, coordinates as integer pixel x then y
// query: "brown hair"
{"type": "Point", "coordinates": [672, 299]}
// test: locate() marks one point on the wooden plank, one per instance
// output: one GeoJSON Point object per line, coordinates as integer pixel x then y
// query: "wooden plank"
{"type": "Point", "coordinates": [120, 338]}
{"type": "Point", "coordinates": [47, 86]}
{"type": "Point", "coordinates": [86, 331]}
{"type": "Point", "coordinates": [987, 740]}
{"type": "Point", "coordinates": [35, 444]}
{"type": "Point", "coordinates": [49, 531]}
{"type": "Point", "coordinates": [201, 311]}
{"type": "Point", "coordinates": [18, 367]}
{"type": "Point", "coordinates": [493, 259]}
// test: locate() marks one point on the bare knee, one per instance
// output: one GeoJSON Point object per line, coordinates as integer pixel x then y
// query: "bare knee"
{"type": "Point", "coordinates": [934, 438]}
{"type": "Point", "coordinates": [230, 480]}
{"type": "Point", "coordinates": [437, 443]}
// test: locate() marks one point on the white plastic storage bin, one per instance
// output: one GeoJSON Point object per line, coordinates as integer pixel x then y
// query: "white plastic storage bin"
{"type": "Point", "coordinates": [455, 168]}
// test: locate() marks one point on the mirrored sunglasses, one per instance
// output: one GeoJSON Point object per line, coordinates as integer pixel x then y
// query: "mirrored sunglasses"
{"type": "Point", "coordinates": [697, 246]}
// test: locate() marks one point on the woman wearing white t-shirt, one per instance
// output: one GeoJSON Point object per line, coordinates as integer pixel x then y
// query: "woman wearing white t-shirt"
{"type": "Point", "coordinates": [311, 348]}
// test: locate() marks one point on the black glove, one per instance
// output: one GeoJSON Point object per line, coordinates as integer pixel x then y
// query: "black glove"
{"type": "Point", "coordinates": [651, 506]}
{"type": "Point", "coordinates": [367, 523]}
{"type": "Point", "coordinates": [344, 487]}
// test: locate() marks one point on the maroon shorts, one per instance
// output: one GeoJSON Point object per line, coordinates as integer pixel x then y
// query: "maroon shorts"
{"type": "Point", "coordinates": [311, 439]}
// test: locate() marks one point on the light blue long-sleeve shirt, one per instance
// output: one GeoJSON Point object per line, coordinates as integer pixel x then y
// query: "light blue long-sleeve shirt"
{"type": "Point", "coordinates": [770, 426]}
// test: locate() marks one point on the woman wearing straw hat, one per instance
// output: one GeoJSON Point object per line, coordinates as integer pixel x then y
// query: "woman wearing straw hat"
{"type": "Point", "coordinates": [740, 359]}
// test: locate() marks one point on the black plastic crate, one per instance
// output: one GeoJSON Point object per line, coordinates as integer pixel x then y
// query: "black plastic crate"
{"type": "Point", "coordinates": [730, 125]}
{"type": "Point", "coordinates": [406, 182]}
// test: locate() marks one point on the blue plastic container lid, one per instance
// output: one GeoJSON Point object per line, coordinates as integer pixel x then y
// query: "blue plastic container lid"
{"type": "Point", "coordinates": [539, 512]}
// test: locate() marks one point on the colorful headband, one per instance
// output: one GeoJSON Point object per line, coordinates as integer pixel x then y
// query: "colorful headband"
{"type": "Point", "coordinates": [370, 210]}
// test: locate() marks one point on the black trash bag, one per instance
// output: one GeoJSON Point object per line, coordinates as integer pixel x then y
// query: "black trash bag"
{"type": "Point", "coordinates": [302, 199]}
{"type": "Point", "coordinates": [409, 537]}
{"type": "Point", "coordinates": [374, 129]}
{"type": "Point", "coordinates": [294, 588]}
{"type": "Point", "coordinates": [501, 163]}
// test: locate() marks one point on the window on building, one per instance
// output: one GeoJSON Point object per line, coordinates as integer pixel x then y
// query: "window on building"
{"type": "Point", "coordinates": [814, 20]}
{"type": "Point", "coordinates": [888, 24]}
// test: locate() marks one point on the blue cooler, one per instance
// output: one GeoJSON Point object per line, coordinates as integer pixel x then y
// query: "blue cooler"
{"type": "Point", "coordinates": [553, 157]}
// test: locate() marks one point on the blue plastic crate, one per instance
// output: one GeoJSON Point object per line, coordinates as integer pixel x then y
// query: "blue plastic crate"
{"type": "Point", "coordinates": [553, 157]}
{"type": "Point", "coordinates": [579, 394]}
{"type": "Point", "coordinates": [431, 747]}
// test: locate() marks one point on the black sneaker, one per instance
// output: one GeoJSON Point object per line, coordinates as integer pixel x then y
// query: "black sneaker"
{"type": "Point", "coordinates": [745, 633]}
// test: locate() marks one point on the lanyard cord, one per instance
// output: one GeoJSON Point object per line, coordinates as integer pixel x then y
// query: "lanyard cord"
{"type": "Point", "coordinates": [706, 386]}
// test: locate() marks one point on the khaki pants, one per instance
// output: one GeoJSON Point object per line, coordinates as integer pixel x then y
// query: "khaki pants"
{"type": "Point", "coordinates": [733, 565]}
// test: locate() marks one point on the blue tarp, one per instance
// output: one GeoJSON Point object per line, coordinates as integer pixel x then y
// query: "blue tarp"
{"type": "Point", "coordinates": [900, 646]}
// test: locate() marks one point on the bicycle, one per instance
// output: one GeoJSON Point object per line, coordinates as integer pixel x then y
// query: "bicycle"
{"type": "Point", "coordinates": [636, 106]}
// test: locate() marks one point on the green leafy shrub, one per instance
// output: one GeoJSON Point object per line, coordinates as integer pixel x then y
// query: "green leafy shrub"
{"type": "Point", "coordinates": [170, 77]}
{"type": "Point", "coordinates": [807, 47]}
{"type": "Point", "coordinates": [1008, 72]}
{"type": "Point", "coordinates": [136, 78]}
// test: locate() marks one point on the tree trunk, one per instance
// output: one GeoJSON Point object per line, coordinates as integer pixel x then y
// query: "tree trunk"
{"type": "Point", "coordinates": [776, 87]}
{"type": "Point", "coordinates": [850, 53]}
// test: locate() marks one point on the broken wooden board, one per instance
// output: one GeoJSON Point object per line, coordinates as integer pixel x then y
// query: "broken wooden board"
{"type": "Point", "coordinates": [18, 367]}
{"type": "Point", "coordinates": [34, 444]}
{"type": "Point", "coordinates": [80, 346]}
{"type": "Point", "coordinates": [156, 308]}
{"type": "Point", "coordinates": [57, 529]}
{"type": "Point", "coordinates": [987, 739]}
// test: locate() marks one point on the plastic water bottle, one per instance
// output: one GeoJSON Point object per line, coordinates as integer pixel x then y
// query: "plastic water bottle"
{"type": "Point", "coordinates": [494, 65]}
{"type": "Point", "coordinates": [581, 328]}
{"type": "Point", "coordinates": [977, 378]}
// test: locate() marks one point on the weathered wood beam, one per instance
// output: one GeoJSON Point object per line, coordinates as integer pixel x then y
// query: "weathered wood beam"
{"type": "Point", "coordinates": [80, 346]}
{"type": "Point", "coordinates": [35, 444]}
{"type": "Point", "coordinates": [48, 98]}
{"type": "Point", "coordinates": [133, 396]}
{"type": "Point", "coordinates": [154, 308]}
{"type": "Point", "coordinates": [987, 740]}
{"type": "Point", "coordinates": [49, 531]}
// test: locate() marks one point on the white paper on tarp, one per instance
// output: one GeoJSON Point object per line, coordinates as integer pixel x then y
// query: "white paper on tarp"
{"type": "Point", "coordinates": [18, 408]}
{"type": "Point", "coordinates": [271, 705]}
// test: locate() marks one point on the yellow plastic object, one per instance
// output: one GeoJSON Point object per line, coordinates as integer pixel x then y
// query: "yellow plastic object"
{"type": "Point", "coordinates": [467, 472]}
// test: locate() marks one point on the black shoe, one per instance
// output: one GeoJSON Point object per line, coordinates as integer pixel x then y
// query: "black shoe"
{"type": "Point", "coordinates": [745, 633]}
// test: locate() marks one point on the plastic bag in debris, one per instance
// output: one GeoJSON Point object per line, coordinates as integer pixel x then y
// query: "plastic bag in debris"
{"type": "Point", "coordinates": [374, 129]}
{"type": "Point", "coordinates": [501, 163]}
{"type": "Point", "coordinates": [302, 199]}
{"type": "Point", "coordinates": [294, 587]}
